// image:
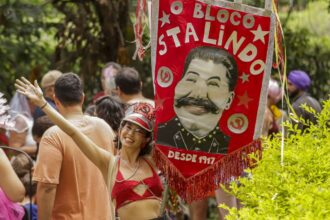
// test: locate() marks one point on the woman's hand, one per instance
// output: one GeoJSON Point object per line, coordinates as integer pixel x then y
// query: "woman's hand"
{"type": "Point", "coordinates": [33, 92]}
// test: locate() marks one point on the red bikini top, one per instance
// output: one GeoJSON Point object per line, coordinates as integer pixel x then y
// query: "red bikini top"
{"type": "Point", "coordinates": [123, 192]}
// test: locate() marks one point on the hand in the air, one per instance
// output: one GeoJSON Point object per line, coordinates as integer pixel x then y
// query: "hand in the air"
{"type": "Point", "coordinates": [33, 92]}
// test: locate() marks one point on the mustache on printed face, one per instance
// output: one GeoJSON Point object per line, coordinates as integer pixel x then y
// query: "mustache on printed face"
{"type": "Point", "coordinates": [207, 104]}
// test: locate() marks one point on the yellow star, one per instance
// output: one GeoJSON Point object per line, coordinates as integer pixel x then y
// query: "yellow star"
{"type": "Point", "coordinates": [244, 100]}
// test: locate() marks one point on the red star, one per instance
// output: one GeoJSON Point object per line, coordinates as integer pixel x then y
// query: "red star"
{"type": "Point", "coordinates": [244, 99]}
{"type": "Point", "coordinates": [159, 103]}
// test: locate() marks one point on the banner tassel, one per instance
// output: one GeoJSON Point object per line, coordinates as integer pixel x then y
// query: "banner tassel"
{"type": "Point", "coordinates": [207, 181]}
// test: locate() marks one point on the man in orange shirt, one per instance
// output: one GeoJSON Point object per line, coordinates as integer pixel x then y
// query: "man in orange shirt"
{"type": "Point", "coordinates": [69, 185]}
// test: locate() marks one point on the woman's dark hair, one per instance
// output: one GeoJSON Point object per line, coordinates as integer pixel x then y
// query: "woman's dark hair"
{"type": "Point", "coordinates": [110, 110]}
{"type": "Point", "coordinates": [90, 110]}
{"type": "Point", "coordinates": [147, 148]}
{"type": "Point", "coordinates": [41, 125]}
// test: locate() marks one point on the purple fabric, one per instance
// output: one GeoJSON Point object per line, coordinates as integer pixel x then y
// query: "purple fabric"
{"type": "Point", "coordinates": [300, 79]}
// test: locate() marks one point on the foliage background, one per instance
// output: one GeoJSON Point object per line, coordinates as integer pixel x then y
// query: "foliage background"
{"type": "Point", "coordinates": [81, 36]}
{"type": "Point", "coordinates": [307, 39]}
{"type": "Point", "coordinates": [297, 189]}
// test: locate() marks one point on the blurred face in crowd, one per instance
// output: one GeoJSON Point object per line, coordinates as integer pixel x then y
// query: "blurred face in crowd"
{"type": "Point", "coordinates": [292, 89]}
{"type": "Point", "coordinates": [108, 80]}
{"type": "Point", "coordinates": [49, 92]}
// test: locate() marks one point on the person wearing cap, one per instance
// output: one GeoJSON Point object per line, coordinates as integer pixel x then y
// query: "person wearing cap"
{"type": "Point", "coordinates": [47, 85]}
{"type": "Point", "coordinates": [298, 84]}
{"type": "Point", "coordinates": [131, 177]}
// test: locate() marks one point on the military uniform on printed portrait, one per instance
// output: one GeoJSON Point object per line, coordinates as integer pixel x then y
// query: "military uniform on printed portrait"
{"type": "Point", "coordinates": [172, 133]}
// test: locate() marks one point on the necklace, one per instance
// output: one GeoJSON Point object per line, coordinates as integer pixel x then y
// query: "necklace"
{"type": "Point", "coordinates": [134, 172]}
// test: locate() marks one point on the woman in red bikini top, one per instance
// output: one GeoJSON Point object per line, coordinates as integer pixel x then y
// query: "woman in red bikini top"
{"type": "Point", "coordinates": [135, 186]}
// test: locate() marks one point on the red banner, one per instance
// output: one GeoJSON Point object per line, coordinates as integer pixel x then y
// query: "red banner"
{"type": "Point", "coordinates": [211, 66]}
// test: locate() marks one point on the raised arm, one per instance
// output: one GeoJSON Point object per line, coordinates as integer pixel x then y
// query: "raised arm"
{"type": "Point", "coordinates": [9, 182]}
{"type": "Point", "coordinates": [100, 157]}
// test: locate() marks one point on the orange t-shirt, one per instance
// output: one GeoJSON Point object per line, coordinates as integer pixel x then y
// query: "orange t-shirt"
{"type": "Point", "coordinates": [81, 190]}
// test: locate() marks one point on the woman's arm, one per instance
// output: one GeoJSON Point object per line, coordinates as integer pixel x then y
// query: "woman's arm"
{"type": "Point", "coordinates": [9, 182]}
{"type": "Point", "coordinates": [100, 157]}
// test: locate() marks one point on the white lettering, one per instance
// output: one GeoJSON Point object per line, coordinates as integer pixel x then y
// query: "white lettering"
{"type": "Point", "coordinates": [232, 18]}
{"type": "Point", "coordinates": [170, 154]}
{"type": "Point", "coordinates": [208, 14]}
{"type": "Point", "coordinates": [162, 43]}
{"type": "Point", "coordinates": [222, 16]}
{"type": "Point", "coordinates": [221, 33]}
{"type": "Point", "coordinates": [197, 11]}
{"type": "Point", "coordinates": [248, 21]}
{"type": "Point", "coordinates": [202, 159]}
{"type": "Point", "coordinates": [182, 156]}
{"type": "Point", "coordinates": [257, 67]}
{"type": "Point", "coordinates": [174, 34]}
{"type": "Point", "coordinates": [176, 7]}
{"type": "Point", "coordinates": [190, 31]}
{"type": "Point", "coordinates": [206, 38]}
{"type": "Point", "coordinates": [236, 44]}
{"type": "Point", "coordinates": [248, 53]}
{"type": "Point", "coordinates": [177, 156]}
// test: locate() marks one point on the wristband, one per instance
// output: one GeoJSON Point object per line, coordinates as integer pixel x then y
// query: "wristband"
{"type": "Point", "coordinates": [44, 105]}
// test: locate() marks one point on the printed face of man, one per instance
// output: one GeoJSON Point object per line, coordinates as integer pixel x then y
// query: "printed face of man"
{"type": "Point", "coordinates": [201, 96]}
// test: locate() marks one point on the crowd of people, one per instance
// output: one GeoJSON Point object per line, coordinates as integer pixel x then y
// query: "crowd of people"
{"type": "Point", "coordinates": [80, 158]}
{"type": "Point", "coordinates": [298, 83]}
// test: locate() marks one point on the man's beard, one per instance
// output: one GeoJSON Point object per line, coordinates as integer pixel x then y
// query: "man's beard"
{"type": "Point", "coordinates": [207, 104]}
{"type": "Point", "coordinates": [294, 94]}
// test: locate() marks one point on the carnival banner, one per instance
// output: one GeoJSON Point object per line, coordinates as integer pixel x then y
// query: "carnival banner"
{"type": "Point", "coordinates": [211, 63]}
